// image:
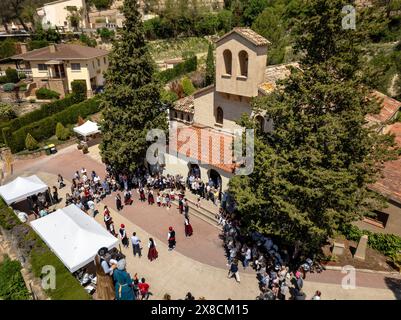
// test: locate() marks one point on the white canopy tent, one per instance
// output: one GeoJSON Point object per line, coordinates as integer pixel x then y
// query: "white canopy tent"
{"type": "Point", "coordinates": [73, 236]}
{"type": "Point", "coordinates": [21, 188]}
{"type": "Point", "coordinates": [87, 129]}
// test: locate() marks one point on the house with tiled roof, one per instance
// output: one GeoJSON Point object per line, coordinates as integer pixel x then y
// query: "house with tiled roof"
{"type": "Point", "coordinates": [56, 66]}
{"type": "Point", "coordinates": [204, 123]}
{"type": "Point", "coordinates": [388, 219]}
{"type": "Point", "coordinates": [389, 109]}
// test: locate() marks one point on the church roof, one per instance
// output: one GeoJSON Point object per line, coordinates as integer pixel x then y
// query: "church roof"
{"type": "Point", "coordinates": [248, 34]}
{"type": "Point", "coordinates": [275, 73]}
{"type": "Point", "coordinates": [185, 105]}
{"type": "Point", "coordinates": [206, 145]}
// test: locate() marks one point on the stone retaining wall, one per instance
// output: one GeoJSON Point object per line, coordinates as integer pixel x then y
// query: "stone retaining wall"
{"type": "Point", "coordinates": [33, 284]}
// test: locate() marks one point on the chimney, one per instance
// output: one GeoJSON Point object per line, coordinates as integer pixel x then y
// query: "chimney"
{"type": "Point", "coordinates": [23, 48]}
{"type": "Point", "coordinates": [53, 48]}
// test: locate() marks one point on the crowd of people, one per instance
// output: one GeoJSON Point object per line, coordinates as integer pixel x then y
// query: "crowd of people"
{"type": "Point", "coordinates": [209, 190]}
{"type": "Point", "coordinates": [88, 189]}
{"type": "Point", "coordinates": [40, 204]}
{"type": "Point", "coordinates": [278, 277]}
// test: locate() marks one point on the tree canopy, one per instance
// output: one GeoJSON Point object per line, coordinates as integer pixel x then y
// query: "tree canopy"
{"type": "Point", "coordinates": [313, 170]}
{"type": "Point", "coordinates": [131, 99]}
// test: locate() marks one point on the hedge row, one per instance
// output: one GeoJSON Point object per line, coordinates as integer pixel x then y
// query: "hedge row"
{"type": "Point", "coordinates": [180, 69]}
{"type": "Point", "coordinates": [12, 285]}
{"type": "Point", "coordinates": [67, 287]}
{"type": "Point", "coordinates": [387, 244]}
{"type": "Point", "coordinates": [45, 110]}
{"type": "Point", "coordinates": [45, 128]}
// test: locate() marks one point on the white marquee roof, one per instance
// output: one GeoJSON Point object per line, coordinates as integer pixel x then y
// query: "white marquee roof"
{"type": "Point", "coordinates": [87, 129]}
{"type": "Point", "coordinates": [73, 236]}
{"type": "Point", "coordinates": [21, 188]}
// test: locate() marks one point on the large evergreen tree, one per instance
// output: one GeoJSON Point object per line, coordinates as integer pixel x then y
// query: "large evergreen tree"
{"type": "Point", "coordinates": [132, 97]}
{"type": "Point", "coordinates": [313, 170]}
{"type": "Point", "coordinates": [210, 68]}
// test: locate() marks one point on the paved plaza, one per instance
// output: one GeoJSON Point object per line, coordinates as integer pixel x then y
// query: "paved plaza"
{"type": "Point", "coordinates": [198, 263]}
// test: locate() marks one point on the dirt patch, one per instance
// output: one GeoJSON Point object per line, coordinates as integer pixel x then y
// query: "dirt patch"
{"type": "Point", "coordinates": [25, 107]}
{"type": "Point", "coordinates": [374, 259]}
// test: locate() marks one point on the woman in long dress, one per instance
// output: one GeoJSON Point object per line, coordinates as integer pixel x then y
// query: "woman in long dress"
{"type": "Point", "coordinates": [104, 285]}
{"type": "Point", "coordinates": [127, 197]}
{"type": "Point", "coordinates": [171, 239]}
{"type": "Point", "coordinates": [123, 236]}
{"type": "Point", "coordinates": [188, 227]}
{"type": "Point", "coordinates": [151, 199]}
{"type": "Point", "coordinates": [123, 282]}
{"type": "Point", "coordinates": [118, 202]}
{"type": "Point", "coordinates": [152, 253]}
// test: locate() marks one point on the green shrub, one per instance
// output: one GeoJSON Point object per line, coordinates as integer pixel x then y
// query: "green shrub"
{"type": "Point", "coordinates": [79, 89]}
{"type": "Point", "coordinates": [44, 111]}
{"type": "Point", "coordinates": [22, 87]}
{"type": "Point", "coordinates": [6, 112]}
{"type": "Point", "coordinates": [45, 128]}
{"type": "Point", "coordinates": [90, 42]}
{"type": "Point", "coordinates": [12, 75]}
{"type": "Point", "coordinates": [37, 44]}
{"type": "Point", "coordinates": [168, 96]}
{"type": "Point", "coordinates": [7, 136]}
{"type": "Point", "coordinates": [12, 285]}
{"type": "Point", "coordinates": [44, 93]}
{"type": "Point", "coordinates": [8, 87]}
{"type": "Point", "coordinates": [3, 79]}
{"type": "Point", "coordinates": [62, 133]}
{"type": "Point", "coordinates": [187, 86]}
{"type": "Point", "coordinates": [105, 34]}
{"type": "Point", "coordinates": [102, 4]}
{"type": "Point", "coordinates": [180, 69]}
{"type": "Point", "coordinates": [7, 48]}
{"type": "Point", "coordinates": [30, 142]}
{"type": "Point", "coordinates": [387, 244]}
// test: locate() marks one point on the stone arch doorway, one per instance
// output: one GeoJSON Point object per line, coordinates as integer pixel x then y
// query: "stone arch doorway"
{"type": "Point", "coordinates": [215, 181]}
{"type": "Point", "coordinates": [193, 169]}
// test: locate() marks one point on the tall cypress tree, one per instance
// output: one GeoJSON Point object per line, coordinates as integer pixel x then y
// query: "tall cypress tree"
{"type": "Point", "coordinates": [131, 100]}
{"type": "Point", "coordinates": [210, 68]}
{"type": "Point", "coordinates": [313, 171]}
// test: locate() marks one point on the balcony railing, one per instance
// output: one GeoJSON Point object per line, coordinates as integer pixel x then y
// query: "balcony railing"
{"type": "Point", "coordinates": [26, 72]}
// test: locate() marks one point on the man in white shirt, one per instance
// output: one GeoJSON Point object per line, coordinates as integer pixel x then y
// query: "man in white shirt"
{"type": "Point", "coordinates": [91, 206]}
{"type": "Point", "coordinates": [136, 247]}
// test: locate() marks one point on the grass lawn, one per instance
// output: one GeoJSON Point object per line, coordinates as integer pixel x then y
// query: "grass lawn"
{"type": "Point", "coordinates": [174, 48]}
{"type": "Point", "coordinates": [67, 287]}
{"type": "Point", "coordinates": [12, 285]}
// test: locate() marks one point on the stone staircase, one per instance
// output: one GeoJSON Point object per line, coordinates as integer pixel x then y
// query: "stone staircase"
{"type": "Point", "coordinates": [207, 211]}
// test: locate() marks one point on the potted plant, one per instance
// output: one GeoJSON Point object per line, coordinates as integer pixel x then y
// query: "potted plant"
{"type": "Point", "coordinates": [85, 149]}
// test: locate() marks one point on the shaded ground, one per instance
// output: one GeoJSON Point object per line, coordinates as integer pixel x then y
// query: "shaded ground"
{"type": "Point", "coordinates": [374, 259]}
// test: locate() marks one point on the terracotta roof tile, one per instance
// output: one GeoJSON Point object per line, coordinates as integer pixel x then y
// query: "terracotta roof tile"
{"type": "Point", "coordinates": [206, 145]}
{"type": "Point", "coordinates": [389, 109]}
{"type": "Point", "coordinates": [248, 34]}
{"type": "Point", "coordinates": [185, 104]}
{"type": "Point", "coordinates": [390, 183]}
{"type": "Point", "coordinates": [275, 73]}
{"type": "Point", "coordinates": [63, 52]}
